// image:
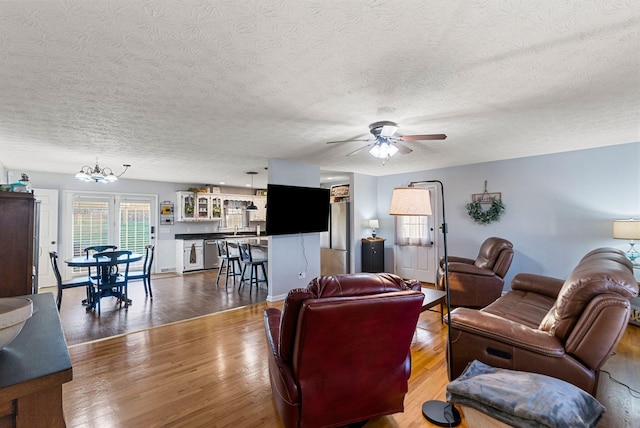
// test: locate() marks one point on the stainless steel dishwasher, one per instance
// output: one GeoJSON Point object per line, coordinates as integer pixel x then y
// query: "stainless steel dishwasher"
{"type": "Point", "coordinates": [211, 260]}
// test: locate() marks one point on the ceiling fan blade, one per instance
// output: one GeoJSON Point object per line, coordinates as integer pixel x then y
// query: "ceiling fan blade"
{"type": "Point", "coordinates": [402, 148]}
{"type": "Point", "coordinates": [355, 152]}
{"type": "Point", "coordinates": [347, 141]}
{"type": "Point", "coordinates": [423, 137]}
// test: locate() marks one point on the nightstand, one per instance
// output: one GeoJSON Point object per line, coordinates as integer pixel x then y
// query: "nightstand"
{"type": "Point", "coordinates": [373, 255]}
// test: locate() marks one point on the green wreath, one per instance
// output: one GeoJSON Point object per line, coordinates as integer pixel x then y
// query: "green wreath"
{"type": "Point", "coordinates": [485, 217]}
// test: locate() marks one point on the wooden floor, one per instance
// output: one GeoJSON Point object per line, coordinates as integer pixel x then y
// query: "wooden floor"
{"type": "Point", "coordinates": [176, 298]}
{"type": "Point", "coordinates": [212, 372]}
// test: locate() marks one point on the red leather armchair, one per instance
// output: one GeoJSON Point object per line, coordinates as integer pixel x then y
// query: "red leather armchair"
{"type": "Point", "coordinates": [565, 329]}
{"type": "Point", "coordinates": [477, 282]}
{"type": "Point", "coordinates": [339, 351]}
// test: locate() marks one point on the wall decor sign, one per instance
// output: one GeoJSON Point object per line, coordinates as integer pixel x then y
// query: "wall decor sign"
{"type": "Point", "coordinates": [493, 213]}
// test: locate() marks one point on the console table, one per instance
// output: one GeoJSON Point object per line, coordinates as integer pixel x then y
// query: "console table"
{"type": "Point", "coordinates": [33, 368]}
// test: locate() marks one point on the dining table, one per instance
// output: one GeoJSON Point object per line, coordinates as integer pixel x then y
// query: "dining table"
{"type": "Point", "coordinates": [102, 263]}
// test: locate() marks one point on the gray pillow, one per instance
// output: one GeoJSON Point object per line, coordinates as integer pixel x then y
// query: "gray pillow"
{"type": "Point", "coordinates": [523, 399]}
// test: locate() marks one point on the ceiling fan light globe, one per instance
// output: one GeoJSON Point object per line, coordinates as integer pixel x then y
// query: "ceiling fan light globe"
{"type": "Point", "coordinates": [383, 150]}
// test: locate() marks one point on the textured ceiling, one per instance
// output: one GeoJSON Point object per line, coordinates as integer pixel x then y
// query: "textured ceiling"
{"type": "Point", "coordinates": [203, 91]}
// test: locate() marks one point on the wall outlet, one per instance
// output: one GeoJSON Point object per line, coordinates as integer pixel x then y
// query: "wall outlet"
{"type": "Point", "coordinates": [302, 274]}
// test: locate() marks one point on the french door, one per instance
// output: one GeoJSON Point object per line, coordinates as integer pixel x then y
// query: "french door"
{"type": "Point", "coordinates": [127, 221]}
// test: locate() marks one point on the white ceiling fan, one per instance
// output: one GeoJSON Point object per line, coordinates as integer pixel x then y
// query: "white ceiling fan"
{"type": "Point", "coordinates": [386, 140]}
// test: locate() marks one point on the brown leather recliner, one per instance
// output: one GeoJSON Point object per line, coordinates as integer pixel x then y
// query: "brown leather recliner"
{"type": "Point", "coordinates": [339, 351]}
{"type": "Point", "coordinates": [477, 282]}
{"type": "Point", "coordinates": [564, 329]}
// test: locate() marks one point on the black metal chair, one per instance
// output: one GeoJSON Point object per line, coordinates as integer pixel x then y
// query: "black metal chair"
{"type": "Point", "coordinates": [72, 283]}
{"type": "Point", "coordinates": [145, 274]}
{"type": "Point", "coordinates": [112, 280]}
{"type": "Point", "coordinates": [229, 255]}
{"type": "Point", "coordinates": [253, 261]}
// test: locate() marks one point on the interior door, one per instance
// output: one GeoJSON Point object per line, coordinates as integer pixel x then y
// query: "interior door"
{"type": "Point", "coordinates": [416, 262]}
{"type": "Point", "coordinates": [48, 238]}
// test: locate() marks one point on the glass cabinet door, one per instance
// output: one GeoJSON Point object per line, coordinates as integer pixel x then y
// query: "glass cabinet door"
{"type": "Point", "coordinates": [204, 207]}
{"type": "Point", "coordinates": [188, 205]}
{"type": "Point", "coordinates": [216, 207]}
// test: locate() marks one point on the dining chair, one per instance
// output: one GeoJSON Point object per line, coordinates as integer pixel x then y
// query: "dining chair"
{"type": "Point", "coordinates": [89, 251]}
{"type": "Point", "coordinates": [72, 283]}
{"type": "Point", "coordinates": [98, 249]}
{"type": "Point", "coordinates": [253, 259]}
{"type": "Point", "coordinates": [145, 274]}
{"type": "Point", "coordinates": [229, 255]}
{"type": "Point", "coordinates": [111, 281]}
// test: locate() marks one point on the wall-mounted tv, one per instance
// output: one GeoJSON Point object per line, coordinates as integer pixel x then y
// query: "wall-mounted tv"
{"type": "Point", "coordinates": [295, 209]}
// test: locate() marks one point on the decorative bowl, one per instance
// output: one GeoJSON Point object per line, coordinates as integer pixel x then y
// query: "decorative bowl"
{"type": "Point", "coordinates": [14, 312]}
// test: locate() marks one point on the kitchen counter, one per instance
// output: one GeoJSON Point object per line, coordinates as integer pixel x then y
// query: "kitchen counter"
{"type": "Point", "coordinates": [217, 235]}
{"type": "Point", "coordinates": [33, 368]}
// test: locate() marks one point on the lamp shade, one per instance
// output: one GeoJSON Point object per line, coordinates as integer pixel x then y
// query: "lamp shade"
{"type": "Point", "coordinates": [374, 223]}
{"type": "Point", "coordinates": [410, 201]}
{"type": "Point", "coordinates": [626, 229]}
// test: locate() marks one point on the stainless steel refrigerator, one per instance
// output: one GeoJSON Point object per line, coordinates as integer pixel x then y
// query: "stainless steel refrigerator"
{"type": "Point", "coordinates": [335, 243]}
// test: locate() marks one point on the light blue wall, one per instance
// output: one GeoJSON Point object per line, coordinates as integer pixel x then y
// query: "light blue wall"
{"type": "Point", "coordinates": [165, 244]}
{"type": "Point", "coordinates": [558, 206]}
{"type": "Point", "coordinates": [290, 255]}
{"type": "Point", "coordinates": [364, 204]}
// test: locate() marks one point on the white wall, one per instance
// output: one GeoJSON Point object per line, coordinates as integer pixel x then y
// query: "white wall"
{"type": "Point", "coordinates": [558, 206]}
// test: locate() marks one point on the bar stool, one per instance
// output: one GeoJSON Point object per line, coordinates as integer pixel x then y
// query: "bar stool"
{"type": "Point", "coordinates": [247, 258]}
{"type": "Point", "coordinates": [229, 259]}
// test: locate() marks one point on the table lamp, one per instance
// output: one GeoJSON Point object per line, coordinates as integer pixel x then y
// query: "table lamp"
{"type": "Point", "coordinates": [628, 229]}
{"type": "Point", "coordinates": [374, 224]}
{"type": "Point", "coordinates": [416, 201]}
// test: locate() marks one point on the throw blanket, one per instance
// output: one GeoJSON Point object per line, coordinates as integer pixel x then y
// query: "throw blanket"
{"type": "Point", "coordinates": [523, 399]}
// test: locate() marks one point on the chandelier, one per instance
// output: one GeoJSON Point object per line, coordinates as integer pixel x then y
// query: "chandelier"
{"type": "Point", "coordinates": [99, 175]}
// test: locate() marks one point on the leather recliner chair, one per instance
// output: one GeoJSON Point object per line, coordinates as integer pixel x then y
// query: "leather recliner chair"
{"type": "Point", "coordinates": [477, 282]}
{"type": "Point", "coordinates": [339, 351]}
{"type": "Point", "coordinates": [563, 329]}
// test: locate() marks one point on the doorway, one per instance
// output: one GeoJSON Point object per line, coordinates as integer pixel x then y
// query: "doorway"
{"type": "Point", "coordinates": [128, 221]}
{"type": "Point", "coordinates": [421, 261]}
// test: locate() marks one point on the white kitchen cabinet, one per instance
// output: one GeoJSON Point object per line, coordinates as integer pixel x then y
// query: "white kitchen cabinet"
{"type": "Point", "coordinates": [198, 206]}
{"type": "Point", "coordinates": [201, 206]}
{"type": "Point", "coordinates": [186, 202]}
{"type": "Point", "coordinates": [189, 255]}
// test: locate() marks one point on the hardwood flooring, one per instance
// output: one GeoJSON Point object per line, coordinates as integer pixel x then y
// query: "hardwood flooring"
{"type": "Point", "coordinates": [212, 372]}
{"type": "Point", "coordinates": [176, 298]}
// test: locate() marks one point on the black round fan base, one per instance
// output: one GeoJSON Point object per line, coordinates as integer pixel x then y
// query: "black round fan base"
{"type": "Point", "coordinates": [441, 413]}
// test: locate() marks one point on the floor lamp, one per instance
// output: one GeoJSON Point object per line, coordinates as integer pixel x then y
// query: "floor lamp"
{"type": "Point", "coordinates": [416, 201]}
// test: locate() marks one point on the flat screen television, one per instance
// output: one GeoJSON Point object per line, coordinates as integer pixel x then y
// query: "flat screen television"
{"type": "Point", "coordinates": [295, 209]}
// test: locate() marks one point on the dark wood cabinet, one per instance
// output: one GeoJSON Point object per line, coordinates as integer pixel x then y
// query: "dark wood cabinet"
{"type": "Point", "coordinates": [33, 368]}
{"type": "Point", "coordinates": [373, 255]}
{"type": "Point", "coordinates": [17, 211]}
